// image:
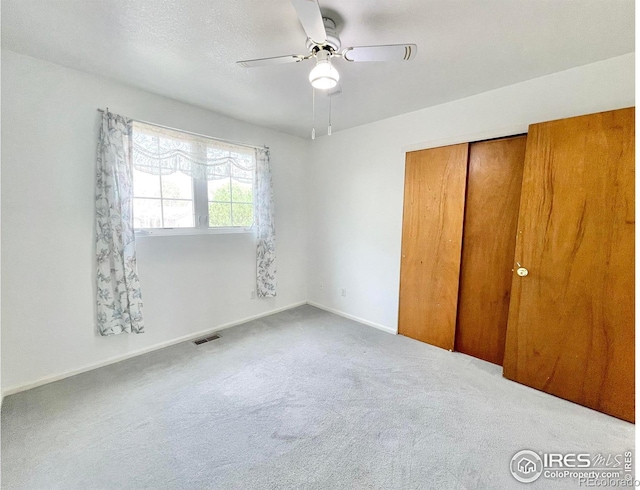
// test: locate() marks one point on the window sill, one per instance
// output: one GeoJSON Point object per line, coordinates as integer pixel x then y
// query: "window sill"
{"type": "Point", "coordinates": [152, 232]}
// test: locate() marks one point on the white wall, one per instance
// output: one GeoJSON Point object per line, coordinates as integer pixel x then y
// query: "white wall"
{"type": "Point", "coordinates": [189, 283]}
{"type": "Point", "coordinates": [355, 202]}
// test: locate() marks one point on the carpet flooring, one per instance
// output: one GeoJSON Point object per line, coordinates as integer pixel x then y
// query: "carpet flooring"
{"type": "Point", "coordinates": [301, 399]}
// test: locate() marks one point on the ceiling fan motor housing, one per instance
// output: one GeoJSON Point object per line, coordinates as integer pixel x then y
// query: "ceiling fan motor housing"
{"type": "Point", "coordinates": [332, 42]}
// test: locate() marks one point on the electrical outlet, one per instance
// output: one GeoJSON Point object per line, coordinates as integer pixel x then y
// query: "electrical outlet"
{"type": "Point", "coordinates": [344, 292]}
{"type": "Point", "coordinates": [253, 295]}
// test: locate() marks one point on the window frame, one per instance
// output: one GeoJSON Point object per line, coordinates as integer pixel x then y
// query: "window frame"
{"type": "Point", "coordinates": [200, 193]}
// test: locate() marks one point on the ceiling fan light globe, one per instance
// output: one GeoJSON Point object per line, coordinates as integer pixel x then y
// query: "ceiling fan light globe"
{"type": "Point", "coordinates": [324, 76]}
{"type": "Point", "coordinates": [324, 83]}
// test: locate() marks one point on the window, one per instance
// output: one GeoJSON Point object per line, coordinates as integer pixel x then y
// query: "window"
{"type": "Point", "coordinates": [189, 183]}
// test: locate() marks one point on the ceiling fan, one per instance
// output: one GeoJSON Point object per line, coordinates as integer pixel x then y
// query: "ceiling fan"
{"type": "Point", "coordinates": [323, 44]}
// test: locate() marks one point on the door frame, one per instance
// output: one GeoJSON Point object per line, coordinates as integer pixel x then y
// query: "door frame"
{"type": "Point", "coordinates": [491, 134]}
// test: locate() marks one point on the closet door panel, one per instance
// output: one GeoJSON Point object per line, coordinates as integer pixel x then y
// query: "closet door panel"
{"type": "Point", "coordinates": [571, 319]}
{"type": "Point", "coordinates": [431, 241]}
{"type": "Point", "coordinates": [493, 197]}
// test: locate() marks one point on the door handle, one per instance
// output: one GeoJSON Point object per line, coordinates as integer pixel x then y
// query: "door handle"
{"type": "Point", "coordinates": [521, 271]}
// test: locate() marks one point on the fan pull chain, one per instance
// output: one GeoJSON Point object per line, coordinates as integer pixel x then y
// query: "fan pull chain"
{"type": "Point", "coordinates": [313, 113]}
{"type": "Point", "coordinates": [330, 101]}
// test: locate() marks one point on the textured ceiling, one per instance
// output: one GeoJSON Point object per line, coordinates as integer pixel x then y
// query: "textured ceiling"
{"type": "Point", "coordinates": [186, 49]}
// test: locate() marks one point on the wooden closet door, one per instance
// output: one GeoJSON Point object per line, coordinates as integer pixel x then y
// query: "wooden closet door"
{"type": "Point", "coordinates": [488, 242]}
{"type": "Point", "coordinates": [431, 240]}
{"type": "Point", "coordinates": [571, 319]}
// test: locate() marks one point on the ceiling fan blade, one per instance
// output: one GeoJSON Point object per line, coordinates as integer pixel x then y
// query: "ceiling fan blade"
{"type": "Point", "coordinates": [277, 60]}
{"type": "Point", "coordinates": [388, 52]}
{"type": "Point", "coordinates": [311, 19]}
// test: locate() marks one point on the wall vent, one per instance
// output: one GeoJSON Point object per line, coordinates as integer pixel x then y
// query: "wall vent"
{"type": "Point", "coordinates": [204, 340]}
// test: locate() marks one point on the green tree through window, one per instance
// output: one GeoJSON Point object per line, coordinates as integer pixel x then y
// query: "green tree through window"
{"type": "Point", "coordinates": [232, 206]}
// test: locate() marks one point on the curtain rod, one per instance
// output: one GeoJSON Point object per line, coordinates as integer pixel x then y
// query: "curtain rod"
{"type": "Point", "coordinates": [264, 147]}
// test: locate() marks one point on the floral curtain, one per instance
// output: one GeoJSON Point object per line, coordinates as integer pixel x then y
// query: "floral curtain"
{"type": "Point", "coordinates": [119, 299]}
{"type": "Point", "coordinates": [265, 226]}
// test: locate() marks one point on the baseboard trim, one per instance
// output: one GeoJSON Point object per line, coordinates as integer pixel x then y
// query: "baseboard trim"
{"type": "Point", "coordinates": [112, 360]}
{"type": "Point", "coordinates": [185, 338]}
{"type": "Point", "coordinates": [379, 326]}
